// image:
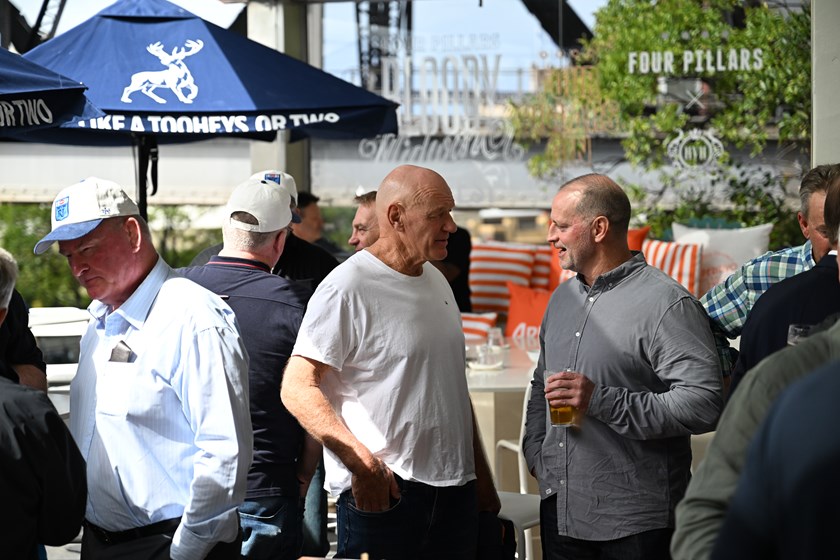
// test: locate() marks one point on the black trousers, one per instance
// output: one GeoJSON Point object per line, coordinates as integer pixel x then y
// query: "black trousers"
{"type": "Point", "coordinates": [152, 547]}
{"type": "Point", "coordinates": [649, 545]}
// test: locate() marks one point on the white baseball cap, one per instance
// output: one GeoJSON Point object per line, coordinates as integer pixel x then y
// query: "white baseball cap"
{"type": "Point", "coordinates": [268, 201]}
{"type": "Point", "coordinates": [78, 209]}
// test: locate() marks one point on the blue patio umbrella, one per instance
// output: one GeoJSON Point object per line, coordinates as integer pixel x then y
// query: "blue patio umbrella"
{"type": "Point", "coordinates": [162, 74]}
{"type": "Point", "coordinates": [33, 97]}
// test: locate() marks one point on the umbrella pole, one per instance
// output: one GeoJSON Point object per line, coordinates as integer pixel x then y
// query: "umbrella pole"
{"type": "Point", "coordinates": [142, 174]}
{"type": "Point", "coordinates": [147, 153]}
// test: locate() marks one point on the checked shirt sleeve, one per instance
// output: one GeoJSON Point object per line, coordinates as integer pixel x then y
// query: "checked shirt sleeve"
{"type": "Point", "coordinates": [729, 303]}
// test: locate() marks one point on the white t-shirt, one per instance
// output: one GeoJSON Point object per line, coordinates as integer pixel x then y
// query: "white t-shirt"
{"type": "Point", "coordinates": [397, 347]}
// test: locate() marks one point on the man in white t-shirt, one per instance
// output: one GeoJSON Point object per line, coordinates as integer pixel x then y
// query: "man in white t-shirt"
{"type": "Point", "coordinates": [377, 375]}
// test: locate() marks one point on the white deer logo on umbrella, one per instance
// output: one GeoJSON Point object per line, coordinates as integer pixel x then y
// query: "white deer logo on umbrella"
{"type": "Point", "coordinates": [176, 77]}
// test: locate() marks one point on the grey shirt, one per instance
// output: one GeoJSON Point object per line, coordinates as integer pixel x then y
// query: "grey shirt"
{"type": "Point", "coordinates": [645, 342]}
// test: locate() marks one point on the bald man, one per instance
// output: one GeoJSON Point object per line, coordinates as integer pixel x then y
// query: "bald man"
{"type": "Point", "coordinates": [377, 376]}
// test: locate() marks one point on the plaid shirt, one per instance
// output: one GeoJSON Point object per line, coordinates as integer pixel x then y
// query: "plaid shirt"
{"type": "Point", "coordinates": [728, 303]}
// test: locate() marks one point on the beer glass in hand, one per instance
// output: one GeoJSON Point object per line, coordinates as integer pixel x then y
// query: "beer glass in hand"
{"type": "Point", "coordinates": [561, 416]}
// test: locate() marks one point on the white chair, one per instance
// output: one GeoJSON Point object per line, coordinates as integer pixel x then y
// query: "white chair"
{"type": "Point", "coordinates": [516, 447]}
{"type": "Point", "coordinates": [522, 508]}
{"type": "Point", "coordinates": [524, 511]}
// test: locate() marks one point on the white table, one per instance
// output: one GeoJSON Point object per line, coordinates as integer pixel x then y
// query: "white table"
{"type": "Point", "coordinates": [497, 398]}
{"type": "Point", "coordinates": [515, 374]}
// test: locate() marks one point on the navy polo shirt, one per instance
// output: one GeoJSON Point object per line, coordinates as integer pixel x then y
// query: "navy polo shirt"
{"type": "Point", "coordinates": [269, 310]}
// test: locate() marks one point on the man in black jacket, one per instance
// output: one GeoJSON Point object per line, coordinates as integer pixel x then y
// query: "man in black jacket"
{"type": "Point", "coordinates": [42, 473]}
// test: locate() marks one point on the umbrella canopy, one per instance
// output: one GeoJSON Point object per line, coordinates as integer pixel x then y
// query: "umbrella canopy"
{"type": "Point", "coordinates": [162, 74]}
{"type": "Point", "coordinates": [155, 68]}
{"type": "Point", "coordinates": [33, 97]}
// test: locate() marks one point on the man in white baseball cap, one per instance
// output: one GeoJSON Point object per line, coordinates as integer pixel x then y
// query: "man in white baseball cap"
{"type": "Point", "coordinates": [269, 310]}
{"type": "Point", "coordinates": [301, 260]}
{"type": "Point", "coordinates": [164, 429]}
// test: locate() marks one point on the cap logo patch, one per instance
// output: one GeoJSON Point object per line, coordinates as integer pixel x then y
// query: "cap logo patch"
{"type": "Point", "coordinates": [273, 177]}
{"type": "Point", "coordinates": [62, 209]}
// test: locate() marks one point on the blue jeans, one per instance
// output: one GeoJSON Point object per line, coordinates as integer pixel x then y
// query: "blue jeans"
{"type": "Point", "coordinates": [271, 527]}
{"type": "Point", "coordinates": [425, 522]}
{"type": "Point", "coordinates": [648, 545]}
{"type": "Point", "coordinates": [315, 541]}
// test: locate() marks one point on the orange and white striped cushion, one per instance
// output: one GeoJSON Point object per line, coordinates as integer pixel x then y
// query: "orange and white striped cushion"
{"type": "Point", "coordinates": [477, 325]}
{"type": "Point", "coordinates": [492, 266]}
{"type": "Point", "coordinates": [680, 261]}
{"type": "Point", "coordinates": [541, 273]}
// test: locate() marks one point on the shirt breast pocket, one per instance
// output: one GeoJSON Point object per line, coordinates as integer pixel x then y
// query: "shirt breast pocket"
{"type": "Point", "coordinates": [114, 384]}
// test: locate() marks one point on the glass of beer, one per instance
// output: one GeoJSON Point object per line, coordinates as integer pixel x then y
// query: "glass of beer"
{"type": "Point", "coordinates": [561, 416]}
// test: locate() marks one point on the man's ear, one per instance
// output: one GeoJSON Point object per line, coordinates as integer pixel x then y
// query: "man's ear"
{"type": "Point", "coordinates": [395, 216]}
{"type": "Point", "coordinates": [803, 225]}
{"type": "Point", "coordinates": [600, 228]}
{"type": "Point", "coordinates": [134, 231]}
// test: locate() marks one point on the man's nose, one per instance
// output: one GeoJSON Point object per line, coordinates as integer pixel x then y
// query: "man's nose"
{"type": "Point", "coordinates": [77, 266]}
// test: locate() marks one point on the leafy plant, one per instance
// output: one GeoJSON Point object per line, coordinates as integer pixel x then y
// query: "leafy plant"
{"type": "Point", "coordinates": [44, 280]}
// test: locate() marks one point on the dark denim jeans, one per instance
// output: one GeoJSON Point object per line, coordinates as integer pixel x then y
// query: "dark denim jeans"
{"type": "Point", "coordinates": [649, 545]}
{"type": "Point", "coordinates": [271, 528]}
{"type": "Point", "coordinates": [426, 522]}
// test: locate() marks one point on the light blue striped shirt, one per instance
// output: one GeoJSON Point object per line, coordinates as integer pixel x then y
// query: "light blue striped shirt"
{"type": "Point", "coordinates": [167, 434]}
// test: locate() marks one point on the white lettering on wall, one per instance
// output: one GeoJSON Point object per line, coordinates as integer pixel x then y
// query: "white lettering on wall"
{"type": "Point", "coordinates": [698, 61]}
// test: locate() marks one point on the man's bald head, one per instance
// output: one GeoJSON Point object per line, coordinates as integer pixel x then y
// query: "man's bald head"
{"type": "Point", "coordinates": [413, 206]}
{"type": "Point", "coordinates": [601, 196]}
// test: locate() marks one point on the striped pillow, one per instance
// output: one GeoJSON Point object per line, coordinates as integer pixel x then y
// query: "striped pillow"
{"type": "Point", "coordinates": [477, 325]}
{"type": "Point", "coordinates": [680, 261]}
{"type": "Point", "coordinates": [492, 266]}
{"type": "Point", "coordinates": [541, 273]}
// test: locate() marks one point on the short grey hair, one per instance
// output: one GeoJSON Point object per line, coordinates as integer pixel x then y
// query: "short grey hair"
{"type": "Point", "coordinates": [241, 240]}
{"type": "Point", "coordinates": [8, 277]}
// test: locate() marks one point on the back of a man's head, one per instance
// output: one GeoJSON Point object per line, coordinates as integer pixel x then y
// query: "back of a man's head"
{"type": "Point", "coordinates": [305, 199]}
{"type": "Point", "coordinates": [818, 179]}
{"type": "Point", "coordinates": [256, 211]}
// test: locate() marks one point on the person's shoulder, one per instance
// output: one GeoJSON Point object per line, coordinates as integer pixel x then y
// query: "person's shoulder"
{"type": "Point", "coordinates": [204, 256]}
{"type": "Point", "coordinates": [653, 280]}
{"type": "Point", "coordinates": [785, 256]}
{"type": "Point", "coordinates": [181, 292]}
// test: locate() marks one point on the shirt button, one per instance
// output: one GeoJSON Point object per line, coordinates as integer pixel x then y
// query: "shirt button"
{"type": "Point", "coordinates": [591, 298]}
{"type": "Point", "coordinates": [548, 491]}
{"type": "Point", "coordinates": [562, 483]}
{"type": "Point", "coordinates": [561, 444]}
{"type": "Point", "coordinates": [577, 333]}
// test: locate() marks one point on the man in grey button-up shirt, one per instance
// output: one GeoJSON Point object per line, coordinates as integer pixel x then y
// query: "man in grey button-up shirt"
{"type": "Point", "coordinates": [638, 362]}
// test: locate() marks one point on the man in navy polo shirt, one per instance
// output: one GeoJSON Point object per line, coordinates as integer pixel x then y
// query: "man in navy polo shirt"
{"type": "Point", "coordinates": [269, 310]}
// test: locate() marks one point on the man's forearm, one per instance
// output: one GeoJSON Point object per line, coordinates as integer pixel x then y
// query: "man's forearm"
{"type": "Point", "coordinates": [488, 498]}
{"type": "Point", "coordinates": [310, 456]}
{"type": "Point", "coordinates": [301, 394]}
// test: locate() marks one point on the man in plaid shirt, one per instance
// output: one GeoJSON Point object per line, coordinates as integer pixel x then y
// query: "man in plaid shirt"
{"type": "Point", "coordinates": [728, 303]}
